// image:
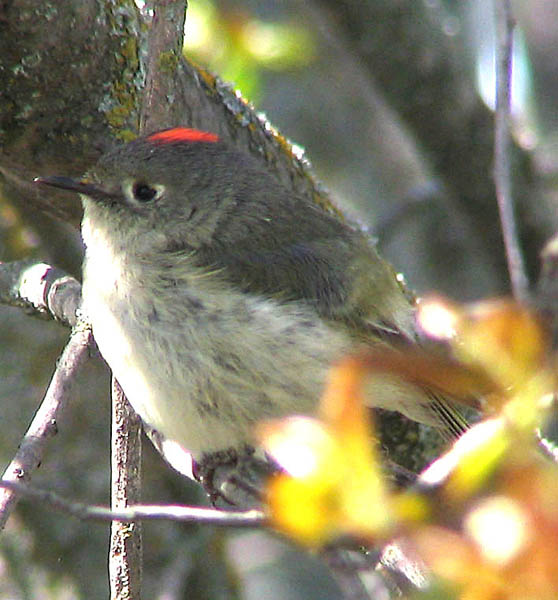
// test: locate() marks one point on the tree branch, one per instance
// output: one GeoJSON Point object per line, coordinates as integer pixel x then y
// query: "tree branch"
{"type": "Point", "coordinates": [44, 424]}
{"type": "Point", "coordinates": [125, 554]}
{"type": "Point", "coordinates": [164, 47]}
{"type": "Point", "coordinates": [41, 290]}
{"type": "Point", "coordinates": [504, 26]}
{"type": "Point", "coordinates": [139, 512]}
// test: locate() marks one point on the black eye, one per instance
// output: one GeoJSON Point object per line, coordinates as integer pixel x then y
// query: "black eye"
{"type": "Point", "coordinates": [143, 192]}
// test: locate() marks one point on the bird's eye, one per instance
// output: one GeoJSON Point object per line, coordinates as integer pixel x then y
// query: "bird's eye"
{"type": "Point", "coordinates": [143, 192]}
{"type": "Point", "coordinates": [138, 192]}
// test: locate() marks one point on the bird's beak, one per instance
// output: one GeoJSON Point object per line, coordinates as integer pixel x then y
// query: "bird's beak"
{"type": "Point", "coordinates": [73, 185]}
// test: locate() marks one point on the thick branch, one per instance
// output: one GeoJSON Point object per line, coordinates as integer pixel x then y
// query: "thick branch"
{"type": "Point", "coordinates": [164, 44]}
{"type": "Point", "coordinates": [69, 75]}
{"type": "Point", "coordinates": [40, 289]}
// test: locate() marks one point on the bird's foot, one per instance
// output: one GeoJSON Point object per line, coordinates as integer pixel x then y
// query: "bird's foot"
{"type": "Point", "coordinates": [235, 476]}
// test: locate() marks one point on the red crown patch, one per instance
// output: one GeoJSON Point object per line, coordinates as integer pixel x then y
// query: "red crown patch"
{"type": "Point", "coordinates": [182, 134]}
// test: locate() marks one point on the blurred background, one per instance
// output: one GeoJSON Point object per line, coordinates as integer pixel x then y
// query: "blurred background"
{"type": "Point", "coordinates": [330, 78]}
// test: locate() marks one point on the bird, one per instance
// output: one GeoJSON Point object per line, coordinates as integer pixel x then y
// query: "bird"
{"type": "Point", "coordinates": [220, 298]}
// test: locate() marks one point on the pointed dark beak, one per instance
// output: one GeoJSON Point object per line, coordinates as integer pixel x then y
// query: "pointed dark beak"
{"type": "Point", "coordinates": [73, 185]}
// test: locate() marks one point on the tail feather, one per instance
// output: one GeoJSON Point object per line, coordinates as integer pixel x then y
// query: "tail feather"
{"type": "Point", "coordinates": [452, 424]}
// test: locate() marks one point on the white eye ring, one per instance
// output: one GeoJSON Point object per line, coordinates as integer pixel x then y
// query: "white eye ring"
{"type": "Point", "coordinates": [140, 192]}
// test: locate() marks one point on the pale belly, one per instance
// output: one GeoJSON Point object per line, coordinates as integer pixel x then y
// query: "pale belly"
{"type": "Point", "coordinates": [205, 380]}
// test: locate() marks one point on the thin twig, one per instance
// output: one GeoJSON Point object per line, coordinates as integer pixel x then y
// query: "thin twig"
{"type": "Point", "coordinates": [125, 554]}
{"type": "Point", "coordinates": [502, 167]}
{"type": "Point", "coordinates": [44, 424]}
{"type": "Point", "coordinates": [140, 512]}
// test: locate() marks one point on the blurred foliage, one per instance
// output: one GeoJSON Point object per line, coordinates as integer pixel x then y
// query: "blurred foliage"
{"type": "Point", "coordinates": [239, 46]}
{"type": "Point", "coordinates": [487, 526]}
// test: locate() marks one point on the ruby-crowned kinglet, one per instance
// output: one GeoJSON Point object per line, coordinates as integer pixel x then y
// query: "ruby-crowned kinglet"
{"type": "Point", "coordinates": [219, 298]}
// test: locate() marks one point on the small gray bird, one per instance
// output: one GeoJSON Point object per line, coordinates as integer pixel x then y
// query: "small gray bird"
{"type": "Point", "coordinates": [219, 298]}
